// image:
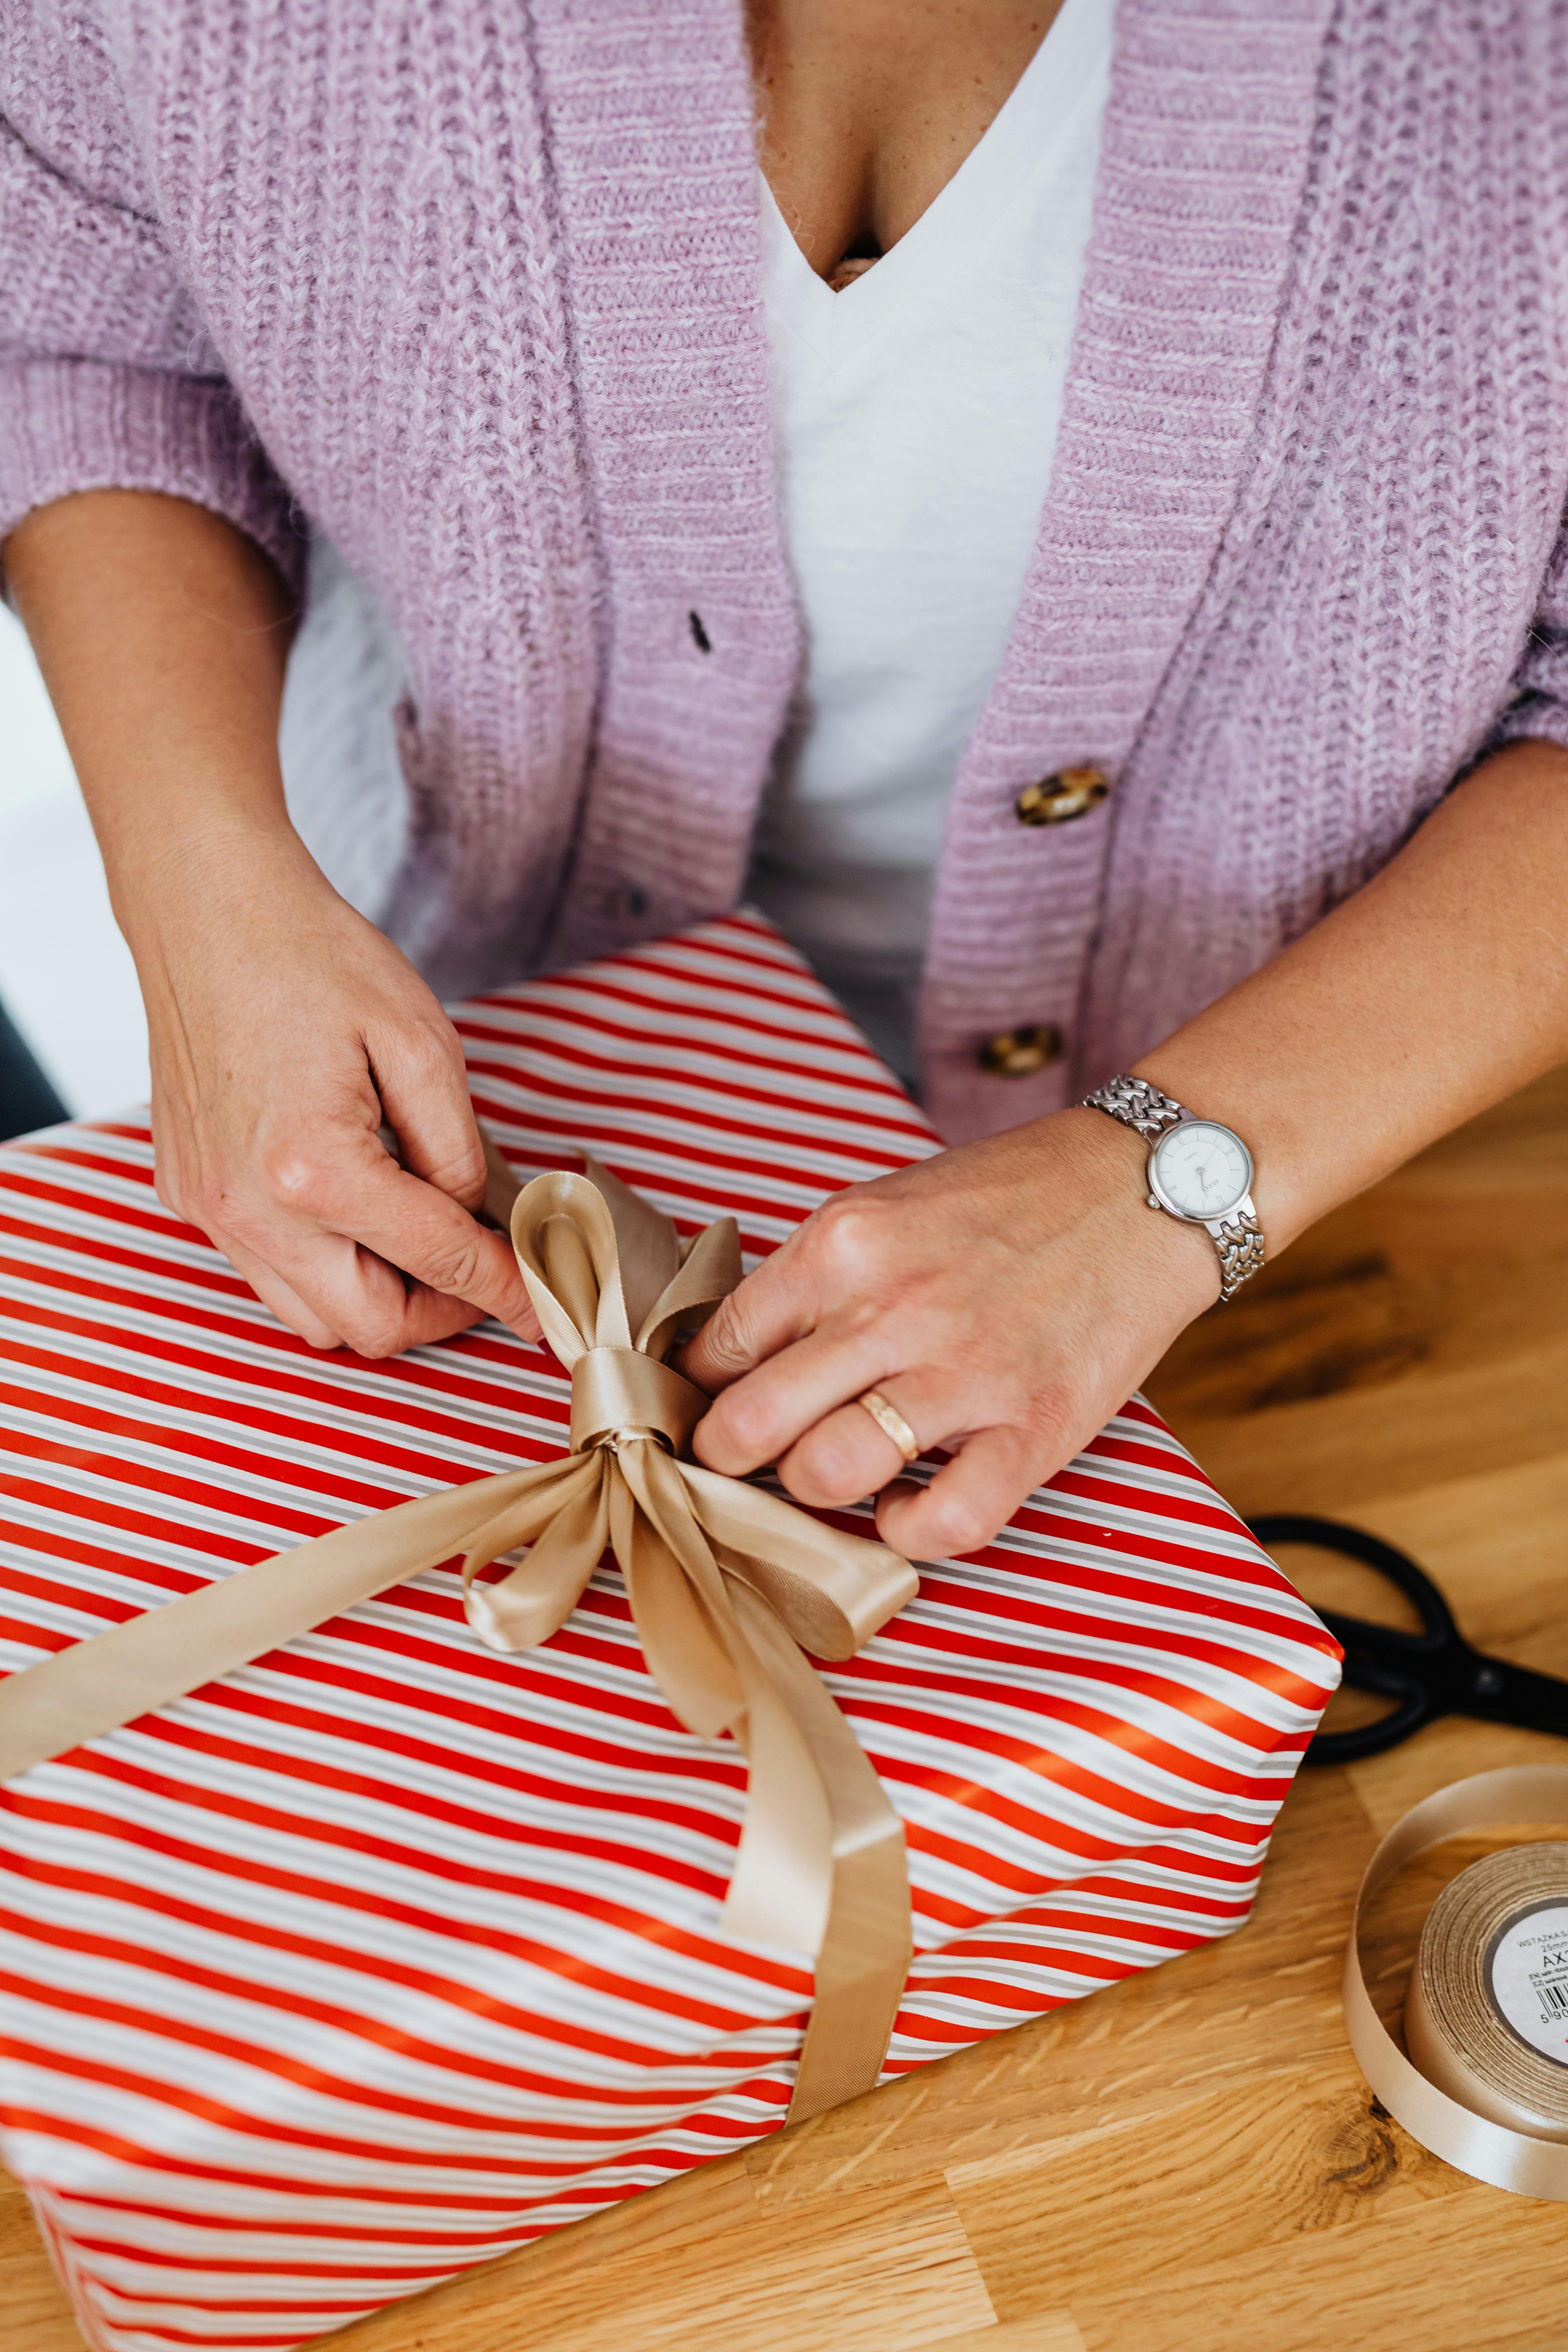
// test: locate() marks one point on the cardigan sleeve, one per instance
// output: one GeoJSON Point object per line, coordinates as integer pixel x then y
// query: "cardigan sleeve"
{"type": "Point", "coordinates": [107, 379]}
{"type": "Point", "coordinates": [1540, 704]}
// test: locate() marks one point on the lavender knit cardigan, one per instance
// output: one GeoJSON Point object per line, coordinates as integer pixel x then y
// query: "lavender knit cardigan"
{"type": "Point", "coordinates": [474, 285]}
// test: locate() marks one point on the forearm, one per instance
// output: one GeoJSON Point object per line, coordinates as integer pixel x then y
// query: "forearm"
{"type": "Point", "coordinates": [1435, 990]}
{"type": "Point", "coordinates": [163, 634]}
{"type": "Point", "coordinates": [284, 1031]}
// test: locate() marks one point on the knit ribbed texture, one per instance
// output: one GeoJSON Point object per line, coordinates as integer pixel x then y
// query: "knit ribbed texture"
{"type": "Point", "coordinates": [485, 282]}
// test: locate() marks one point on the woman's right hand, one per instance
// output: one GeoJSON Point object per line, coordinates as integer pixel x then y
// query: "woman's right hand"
{"type": "Point", "coordinates": [284, 1031]}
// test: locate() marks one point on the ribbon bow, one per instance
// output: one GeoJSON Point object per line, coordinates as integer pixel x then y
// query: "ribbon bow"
{"type": "Point", "coordinates": [728, 1585]}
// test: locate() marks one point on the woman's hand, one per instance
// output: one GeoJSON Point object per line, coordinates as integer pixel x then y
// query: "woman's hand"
{"type": "Point", "coordinates": [284, 1031]}
{"type": "Point", "coordinates": [1007, 1297]}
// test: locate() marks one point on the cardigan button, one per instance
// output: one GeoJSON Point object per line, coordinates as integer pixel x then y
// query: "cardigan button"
{"type": "Point", "coordinates": [1020, 1052]}
{"type": "Point", "coordinates": [1056, 800]}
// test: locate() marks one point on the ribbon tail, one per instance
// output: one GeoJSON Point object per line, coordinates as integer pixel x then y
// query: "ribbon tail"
{"type": "Point", "coordinates": [781, 1887]}
{"type": "Point", "coordinates": [862, 1972]}
{"type": "Point", "coordinates": [565, 1520]}
{"type": "Point", "coordinates": [678, 1602]}
{"type": "Point", "coordinates": [867, 1941]}
{"type": "Point", "coordinates": [111, 1679]}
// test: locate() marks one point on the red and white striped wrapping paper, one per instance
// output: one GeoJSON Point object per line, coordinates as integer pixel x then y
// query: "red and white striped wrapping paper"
{"type": "Point", "coordinates": [389, 1953]}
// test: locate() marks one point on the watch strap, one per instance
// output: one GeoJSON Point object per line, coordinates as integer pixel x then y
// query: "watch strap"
{"type": "Point", "coordinates": [1137, 1105]}
{"type": "Point", "coordinates": [1239, 1241]}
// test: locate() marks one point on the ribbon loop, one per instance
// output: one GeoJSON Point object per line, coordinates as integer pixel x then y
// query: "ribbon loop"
{"type": "Point", "coordinates": [565, 1524]}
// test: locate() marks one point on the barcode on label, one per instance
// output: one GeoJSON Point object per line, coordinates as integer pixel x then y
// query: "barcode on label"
{"type": "Point", "coordinates": [1554, 1998]}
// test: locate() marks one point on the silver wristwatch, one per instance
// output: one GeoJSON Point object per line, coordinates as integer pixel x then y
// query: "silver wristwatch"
{"type": "Point", "coordinates": [1198, 1171]}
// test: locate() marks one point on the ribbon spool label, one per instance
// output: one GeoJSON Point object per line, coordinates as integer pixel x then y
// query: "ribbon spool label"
{"type": "Point", "coordinates": [1526, 1973]}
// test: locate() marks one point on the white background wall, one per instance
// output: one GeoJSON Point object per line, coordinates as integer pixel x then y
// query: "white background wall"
{"type": "Point", "coordinates": [66, 974]}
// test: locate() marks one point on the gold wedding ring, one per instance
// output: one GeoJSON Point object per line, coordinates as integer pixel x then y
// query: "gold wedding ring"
{"type": "Point", "coordinates": [891, 1424]}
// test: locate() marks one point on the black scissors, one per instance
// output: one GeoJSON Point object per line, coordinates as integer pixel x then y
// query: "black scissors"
{"type": "Point", "coordinates": [1429, 1674]}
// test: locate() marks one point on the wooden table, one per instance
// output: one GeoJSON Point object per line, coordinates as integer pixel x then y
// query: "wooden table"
{"type": "Point", "coordinates": [1189, 2161]}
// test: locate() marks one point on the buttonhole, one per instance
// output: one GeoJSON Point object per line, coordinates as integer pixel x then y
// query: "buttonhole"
{"type": "Point", "coordinates": [700, 638]}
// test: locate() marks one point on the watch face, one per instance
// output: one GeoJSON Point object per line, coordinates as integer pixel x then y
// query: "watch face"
{"type": "Point", "coordinates": [1201, 1169]}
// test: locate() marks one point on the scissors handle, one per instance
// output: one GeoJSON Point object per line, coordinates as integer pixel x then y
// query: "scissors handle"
{"type": "Point", "coordinates": [1383, 1659]}
{"type": "Point", "coordinates": [1354, 1543]}
{"type": "Point", "coordinates": [1432, 1672]}
{"type": "Point", "coordinates": [1372, 1664]}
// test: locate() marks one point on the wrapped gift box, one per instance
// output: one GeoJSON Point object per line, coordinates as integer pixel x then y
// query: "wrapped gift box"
{"type": "Point", "coordinates": [389, 1953]}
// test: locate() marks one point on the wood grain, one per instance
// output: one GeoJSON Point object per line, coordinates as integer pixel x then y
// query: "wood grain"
{"type": "Point", "coordinates": [37, 2316]}
{"type": "Point", "coordinates": [1189, 2160]}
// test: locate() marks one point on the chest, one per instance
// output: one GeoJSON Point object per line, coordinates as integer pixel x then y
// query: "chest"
{"type": "Point", "coordinates": [866, 109]}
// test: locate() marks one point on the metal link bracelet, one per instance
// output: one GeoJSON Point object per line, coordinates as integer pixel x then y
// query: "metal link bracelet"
{"type": "Point", "coordinates": [1236, 1233]}
{"type": "Point", "coordinates": [1138, 1104]}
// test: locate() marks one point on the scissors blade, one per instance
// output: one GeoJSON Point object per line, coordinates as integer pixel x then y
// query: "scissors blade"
{"type": "Point", "coordinates": [1499, 1692]}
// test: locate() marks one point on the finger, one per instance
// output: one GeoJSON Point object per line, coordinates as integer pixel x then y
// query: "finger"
{"type": "Point", "coordinates": [281, 1297]}
{"type": "Point", "coordinates": [758, 1419]}
{"type": "Point", "coordinates": [336, 1293]}
{"type": "Point", "coordinates": [379, 1309]}
{"type": "Point", "coordinates": [419, 1075]}
{"type": "Point", "coordinates": [969, 1501]}
{"type": "Point", "coordinates": [315, 1214]}
{"type": "Point", "coordinates": [849, 1454]}
{"type": "Point", "coordinates": [177, 1192]}
{"type": "Point", "coordinates": [775, 1304]}
{"type": "Point", "coordinates": [331, 1292]}
{"type": "Point", "coordinates": [418, 1228]}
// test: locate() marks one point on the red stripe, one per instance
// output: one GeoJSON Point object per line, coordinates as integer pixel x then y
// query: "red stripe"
{"type": "Point", "coordinates": [383, 1379]}
{"type": "Point", "coordinates": [364, 1904]}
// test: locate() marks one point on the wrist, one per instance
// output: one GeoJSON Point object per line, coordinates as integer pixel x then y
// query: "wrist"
{"type": "Point", "coordinates": [1282, 1156]}
{"type": "Point", "coordinates": [216, 877]}
{"type": "Point", "coordinates": [1198, 1172]}
{"type": "Point", "coordinates": [1176, 1262]}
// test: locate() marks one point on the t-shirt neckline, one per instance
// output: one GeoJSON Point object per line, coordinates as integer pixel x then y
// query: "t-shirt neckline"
{"type": "Point", "coordinates": [1031, 131]}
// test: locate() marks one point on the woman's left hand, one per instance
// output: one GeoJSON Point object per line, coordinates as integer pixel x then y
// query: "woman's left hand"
{"type": "Point", "coordinates": [1005, 1297]}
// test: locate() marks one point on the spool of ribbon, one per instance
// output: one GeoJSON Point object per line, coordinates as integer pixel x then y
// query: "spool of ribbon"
{"type": "Point", "coordinates": [1486, 2014]}
{"type": "Point", "coordinates": [728, 1585]}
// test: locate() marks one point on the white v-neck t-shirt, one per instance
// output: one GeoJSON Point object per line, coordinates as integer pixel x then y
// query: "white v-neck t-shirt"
{"type": "Point", "coordinates": [916, 413]}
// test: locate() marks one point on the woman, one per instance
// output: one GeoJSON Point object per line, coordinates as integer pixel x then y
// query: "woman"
{"type": "Point", "coordinates": [1242, 333]}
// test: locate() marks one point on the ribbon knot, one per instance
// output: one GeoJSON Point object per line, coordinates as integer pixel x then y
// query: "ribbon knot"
{"type": "Point", "coordinates": [618, 1393]}
{"type": "Point", "coordinates": [728, 1585]}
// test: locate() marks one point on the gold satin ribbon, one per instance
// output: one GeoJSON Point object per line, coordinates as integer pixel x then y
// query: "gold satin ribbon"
{"type": "Point", "coordinates": [726, 1584]}
{"type": "Point", "coordinates": [1508, 2155]}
